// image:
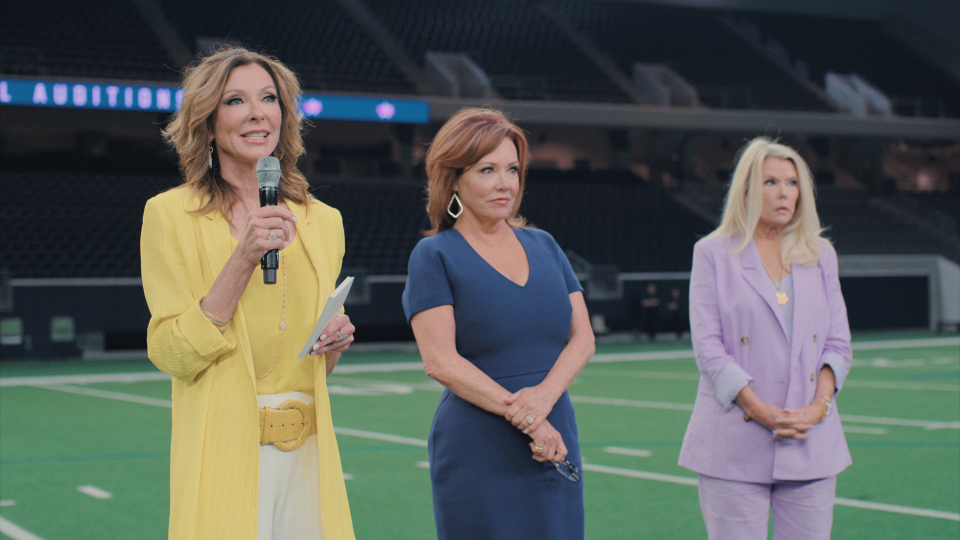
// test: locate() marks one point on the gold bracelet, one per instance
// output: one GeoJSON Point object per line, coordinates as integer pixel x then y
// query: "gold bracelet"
{"type": "Point", "coordinates": [826, 407]}
{"type": "Point", "coordinates": [214, 320]}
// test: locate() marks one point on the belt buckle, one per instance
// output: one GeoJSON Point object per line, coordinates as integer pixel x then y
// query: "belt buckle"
{"type": "Point", "coordinates": [302, 407]}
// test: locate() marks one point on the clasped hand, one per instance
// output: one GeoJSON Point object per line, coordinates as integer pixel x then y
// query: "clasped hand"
{"type": "Point", "coordinates": [256, 240]}
{"type": "Point", "coordinates": [788, 423]}
{"type": "Point", "coordinates": [547, 443]}
{"type": "Point", "coordinates": [527, 410]}
{"type": "Point", "coordinates": [529, 407]}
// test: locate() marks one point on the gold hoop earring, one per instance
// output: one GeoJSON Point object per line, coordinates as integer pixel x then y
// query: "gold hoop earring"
{"type": "Point", "coordinates": [210, 158]}
{"type": "Point", "coordinates": [449, 206]}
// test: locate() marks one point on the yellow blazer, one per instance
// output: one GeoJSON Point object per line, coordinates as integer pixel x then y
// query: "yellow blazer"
{"type": "Point", "coordinates": [214, 449]}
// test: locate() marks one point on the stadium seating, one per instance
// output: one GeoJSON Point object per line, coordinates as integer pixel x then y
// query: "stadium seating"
{"type": "Point", "coordinates": [80, 39]}
{"type": "Point", "coordinates": [862, 47]}
{"type": "Point", "coordinates": [318, 40]}
{"type": "Point", "coordinates": [726, 72]}
{"type": "Point", "coordinates": [64, 225]}
{"type": "Point", "coordinates": [525, 55]}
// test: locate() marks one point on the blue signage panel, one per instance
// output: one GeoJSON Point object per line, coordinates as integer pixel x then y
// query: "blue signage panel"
{"type": "Point", "coordinates": [145, 97]}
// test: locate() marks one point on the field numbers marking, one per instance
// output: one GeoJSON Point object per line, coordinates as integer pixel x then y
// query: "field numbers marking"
{"type": "Point", "coordinates": [95, 492]}
{"type": "Point", "coordinates": [15, 531]}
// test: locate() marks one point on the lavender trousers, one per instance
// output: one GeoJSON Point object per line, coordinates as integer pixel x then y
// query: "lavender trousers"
{"type": "Point", "coordinates": [740, 510]}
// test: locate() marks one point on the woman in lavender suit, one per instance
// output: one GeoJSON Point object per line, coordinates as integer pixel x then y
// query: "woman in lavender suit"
{"type": "Point", "coordinates": [770, 333]}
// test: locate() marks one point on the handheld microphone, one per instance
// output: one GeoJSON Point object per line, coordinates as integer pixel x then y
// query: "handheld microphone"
{"type": "Point", "coordinates": [268, 177]}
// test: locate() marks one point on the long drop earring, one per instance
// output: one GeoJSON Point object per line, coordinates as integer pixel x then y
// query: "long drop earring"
{"type": "Point", "coordinates": [450, 206]}
{"type": "Point", "coordinates": [210, 157]}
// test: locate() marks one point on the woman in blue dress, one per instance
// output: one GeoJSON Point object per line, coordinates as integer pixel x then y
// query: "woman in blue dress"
{"type": "Point", "coordinates": [501, 322]}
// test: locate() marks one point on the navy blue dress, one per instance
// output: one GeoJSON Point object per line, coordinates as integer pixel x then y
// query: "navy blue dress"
{"type": "Point", "coordinates": [485, 483]}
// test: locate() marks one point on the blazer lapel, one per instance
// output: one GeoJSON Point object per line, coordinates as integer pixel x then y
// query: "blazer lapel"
{"type": "Point", "coordinates": [757, 277]}
{"type": "Point", "coordinates": [804, 289]}
{"type": "Point", "coordinates": [310, 238]}
{"type": "Point", "coordinates": [217, 243]}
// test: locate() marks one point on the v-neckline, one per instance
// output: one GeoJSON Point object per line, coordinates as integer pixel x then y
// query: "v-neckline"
{"type": "Point", "coordinates": [501, 274]}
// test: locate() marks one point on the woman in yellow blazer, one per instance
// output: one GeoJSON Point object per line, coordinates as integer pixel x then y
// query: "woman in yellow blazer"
{"type": "Point", "coordinates": [253, 453]}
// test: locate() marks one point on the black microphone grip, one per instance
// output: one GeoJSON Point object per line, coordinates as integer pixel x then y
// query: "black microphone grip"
{"type": "Point", "coordinates": [271, 260]}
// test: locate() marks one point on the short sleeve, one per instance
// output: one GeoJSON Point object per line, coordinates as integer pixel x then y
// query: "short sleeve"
{"type": "Point", "coordinates": [427, 283]}
{"type": "Point", "coordinates": [569, 277]}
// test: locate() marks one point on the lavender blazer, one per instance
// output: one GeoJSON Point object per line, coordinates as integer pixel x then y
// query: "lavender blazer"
{"type": "Point", "coordinates": [735, 318]}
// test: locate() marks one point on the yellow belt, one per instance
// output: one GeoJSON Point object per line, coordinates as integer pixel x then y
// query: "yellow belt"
{"type": "Point", "coordinates": [287, 426]}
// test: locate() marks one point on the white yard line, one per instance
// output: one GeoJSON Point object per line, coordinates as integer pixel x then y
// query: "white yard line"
{"type": "Point", "coordinates": [632, 452]}
{"type": "Point", "coordinates": [886, 385]}
{"type": "Point", "coordinates": [684, 480]}
{"type": "Point", "coordinates": [110, 395]}
{"type": "Point", "coordinates": [905, 343]}
{"type": "Point", "coordinates": [865, 430]}
{"type": "Point", "coordinates": [15, 531]}
{"type": "Point", "coordinates": [618, 402]}
{"type": "Point", "coordinates": [346, 368]}
{"type": "Point", "coordinates": [614, 402]}
{"type": "Point", "coordinates": [925, 424]}
{"type": "Point", "coordinates": [85, 379]}
{"type": "Point", "coordinates": [923, 512]}
{"type": "Point", "coordinates": [380, 436]}
{"type": "Point", "coordinates": [587, 466]}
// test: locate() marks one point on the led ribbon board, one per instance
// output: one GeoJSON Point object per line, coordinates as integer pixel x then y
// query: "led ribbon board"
{"type": "Point", "coordinates": [145, 97]}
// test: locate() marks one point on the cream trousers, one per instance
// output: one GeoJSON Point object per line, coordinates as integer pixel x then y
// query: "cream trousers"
{"type": "Point", "coordinates": [288, 500]}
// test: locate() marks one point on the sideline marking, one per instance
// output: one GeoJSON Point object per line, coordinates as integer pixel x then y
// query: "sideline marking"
{"type": "Point", "coordinates": [424, 465]}
{"type": "Point", "coordinates": [95, 492]}
{"type": "Point", "coordinates": [8, 503]}
{"type": "Point", "coordinates": [15, 531]}
{"type": "Point", "coordinates": [635, 452]}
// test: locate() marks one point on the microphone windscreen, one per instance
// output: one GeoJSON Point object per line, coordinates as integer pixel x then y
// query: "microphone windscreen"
{"type": "Point", "coordinates": [268, 172]}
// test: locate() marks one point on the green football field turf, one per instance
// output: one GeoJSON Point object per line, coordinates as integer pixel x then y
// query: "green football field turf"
{"type": "Point", "coordinates": [74, 424]}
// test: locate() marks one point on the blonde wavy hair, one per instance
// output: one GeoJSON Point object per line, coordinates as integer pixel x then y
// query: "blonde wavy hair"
{"type": "Point", "coordinates": [192, 127]}
{"type": "Point", "coordinates": [461, 143]}
{"type": "Point", "coordinates": [801, 238]}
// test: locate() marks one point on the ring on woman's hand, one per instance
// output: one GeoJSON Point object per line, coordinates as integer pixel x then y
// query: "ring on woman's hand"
{"type": "Point", "coordinates": [273, 236]}
{"type": "Point", "coordinates": [528, 419]}
{"type": "Point", "coordinates": [342, 337]}
{"type": "Point", "coordinates": [774, 433]}
{"type": "Point", "coordinates": [538, 447]}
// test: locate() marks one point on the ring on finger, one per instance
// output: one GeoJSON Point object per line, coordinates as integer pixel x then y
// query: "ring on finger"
{"type": "Point", "coordinates": [529, 419]}
{"type": "Point", "coordinates": [273, 236]}
{"type": "Point", "coordinates": [341, 337]}
{"type": "Point", "coordinates": [538, 447]}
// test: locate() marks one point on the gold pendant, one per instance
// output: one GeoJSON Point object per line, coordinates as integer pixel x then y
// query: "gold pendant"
{"type": "Point", "coordinates": [782, 298]}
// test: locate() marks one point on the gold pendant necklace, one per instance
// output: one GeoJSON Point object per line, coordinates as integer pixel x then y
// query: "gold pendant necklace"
{"type": "Point", "coordinates": [283, 316]}
{"type": "Point", "coordinates": [782, 297]}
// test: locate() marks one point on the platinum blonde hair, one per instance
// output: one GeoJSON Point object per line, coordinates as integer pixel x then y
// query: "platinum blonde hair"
{"type": "Point", "coordinates": [801, 238]}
